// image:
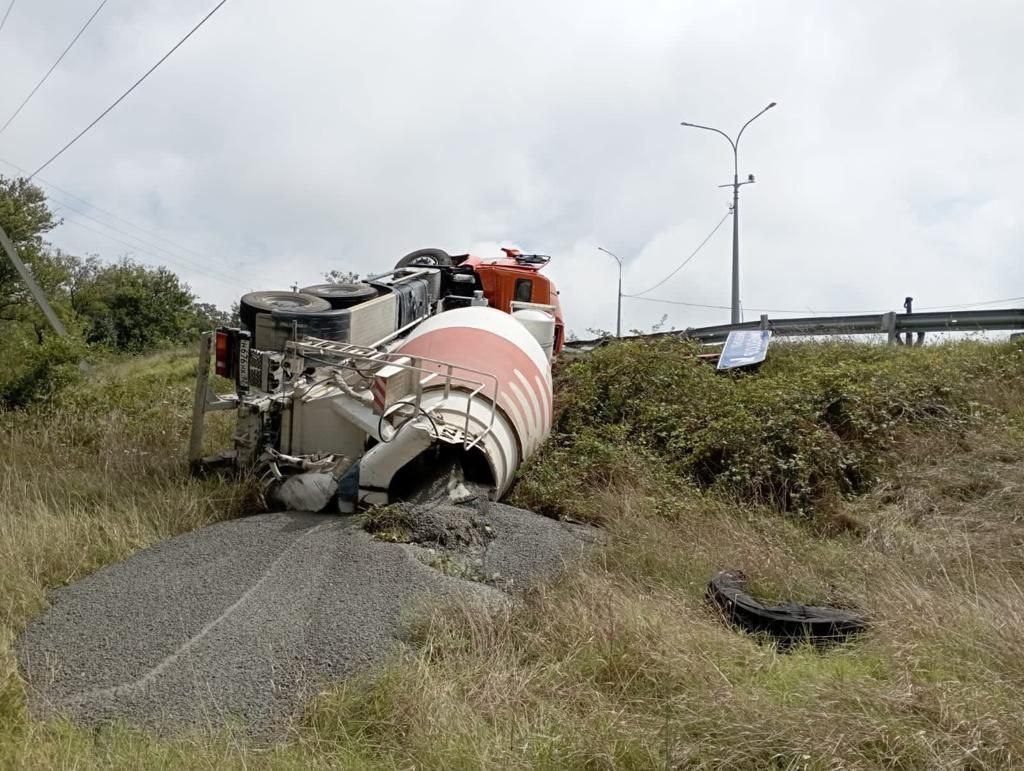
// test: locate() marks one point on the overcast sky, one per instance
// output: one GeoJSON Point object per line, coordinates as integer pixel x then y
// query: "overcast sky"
{"type": "Point", "coordinates": [286, 139]}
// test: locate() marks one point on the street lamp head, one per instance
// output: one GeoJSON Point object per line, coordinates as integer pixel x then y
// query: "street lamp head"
{"type": "Point", "coordinates": [611, 254]}
{"type": "Point", "coordinates": [771, 105]}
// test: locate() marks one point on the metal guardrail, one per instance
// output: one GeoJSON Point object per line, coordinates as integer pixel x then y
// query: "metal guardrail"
{"type": "Point", "coordinates": [889, 324]}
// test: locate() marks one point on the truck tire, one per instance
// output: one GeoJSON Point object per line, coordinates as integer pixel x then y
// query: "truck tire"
{"type": "Point", "coordinates": [268, 302]}
{"type": "Point", "coordinates": [431, 258]}
{"type": "Point", "coordinates": [342, 295]}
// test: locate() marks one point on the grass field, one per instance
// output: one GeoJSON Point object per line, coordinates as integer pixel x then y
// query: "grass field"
{"type": "Point", "coordinates": [887, 479]}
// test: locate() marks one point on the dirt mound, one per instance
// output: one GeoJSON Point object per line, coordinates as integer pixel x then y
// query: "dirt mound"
{"type": "Point", "coordinates": [482, 541]}
{"type": "Point", "coordinates": [438, 525]}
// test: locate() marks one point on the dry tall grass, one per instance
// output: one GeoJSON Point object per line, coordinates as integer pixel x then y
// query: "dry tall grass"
{"type": "Point", "coordinates": [92, 478]}
{"type": "Point", "coordinates": [621, 663]}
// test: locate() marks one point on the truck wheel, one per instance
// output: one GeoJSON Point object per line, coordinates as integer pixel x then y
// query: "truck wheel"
{"type": "Point", "coordinates": [431, 258]}
{"type": "Point", "coordinates": [342, 295]}
{"type": "Point", "coordinates": [268, 302]}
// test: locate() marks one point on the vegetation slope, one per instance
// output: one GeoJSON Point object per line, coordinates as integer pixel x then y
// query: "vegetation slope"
{"type": "Point", "coordinates": [887, 479]}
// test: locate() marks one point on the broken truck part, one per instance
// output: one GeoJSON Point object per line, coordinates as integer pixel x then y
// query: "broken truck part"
{"type": "Point", "coordinates": [788, 624]}
{"type": "Point", "coordinates": [362, 389]}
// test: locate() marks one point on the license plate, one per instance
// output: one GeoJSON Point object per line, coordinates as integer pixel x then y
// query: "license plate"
{"type": "Point", "coordinates": [243, 363]}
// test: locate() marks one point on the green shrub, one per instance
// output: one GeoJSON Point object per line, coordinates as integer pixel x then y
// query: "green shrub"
{"type": "Point", "coordinates": [812, 423]}
{"type": "Point", "coordinates": [31, 372]}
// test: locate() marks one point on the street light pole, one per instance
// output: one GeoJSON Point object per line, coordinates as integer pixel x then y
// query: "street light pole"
{"type": "Point", "coordinates": [736, 185]}
{"type": "Point", "coordinates": [618, 310]}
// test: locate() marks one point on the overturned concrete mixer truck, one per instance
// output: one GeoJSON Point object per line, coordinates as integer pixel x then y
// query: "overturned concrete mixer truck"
{"type": "Point", "coordinates": [357, 394]}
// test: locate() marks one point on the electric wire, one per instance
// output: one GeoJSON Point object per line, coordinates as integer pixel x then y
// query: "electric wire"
{"type": "Point", "coordinates": [137, 243]}
{"type": "Point", "coordinates": [703, 305]}
{"type": "Point", "coordinates": [107, 212]}
{"type": "Point", "coordinates": [687, 260]}
{"type": "Point", "coordinates": [234, 283]}
{"type": "Point", "coordinates": [174, 257]}
{"type": "Point", "coordinates": [70, 45]}
{"type": "Point", "coordinates": [969, 305]}
{"type": "Point", "coordinates": [135, 85]}
{"type": "Point", "coordinates": [168, 256]}
{"type": "Point", "coordinates": [822, 313]}
{"type": "Point", "coordinates": [7, 13]}
{"type": "Point", "coordinates": [134, 246]}
{"type": "Point", "coordinates": [184, 261]}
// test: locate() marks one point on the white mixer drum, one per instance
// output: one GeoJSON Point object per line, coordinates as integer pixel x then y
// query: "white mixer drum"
{"type": "Point", "coordinates": [488, 340]}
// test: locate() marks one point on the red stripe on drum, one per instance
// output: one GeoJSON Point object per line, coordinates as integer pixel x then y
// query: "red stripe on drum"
{"type": "Point", "coordinates": [536, 402]}
{"type": "Point", "coordinates": [545, 398]}
{"type": "Point", "coordinates": [489, 320]}
{"type": "Point", "coordinates": [481, 349]}
{"type": "Point", "coordinates": [530, 436]}
{"type": "Point", "coordinates": [515, 415]}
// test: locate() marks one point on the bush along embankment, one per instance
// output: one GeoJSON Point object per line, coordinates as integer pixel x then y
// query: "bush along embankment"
{"type": "Point", "coordinates": [812, 425]}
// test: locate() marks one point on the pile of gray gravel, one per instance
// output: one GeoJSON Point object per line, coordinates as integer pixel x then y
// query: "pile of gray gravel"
{"type": "Point", "coordinates": [238, 623]}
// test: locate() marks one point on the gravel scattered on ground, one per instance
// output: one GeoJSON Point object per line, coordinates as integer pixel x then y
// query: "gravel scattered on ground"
{"type": "Point", "coordinates": [238, 623]}
{"type": "Point", "coordinates": [499, 545]}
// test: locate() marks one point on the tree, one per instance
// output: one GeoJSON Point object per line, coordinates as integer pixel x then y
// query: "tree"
{"type": "Point", "coordinates": [208, 316]}
{"type": "Point", "coordinates": [341, 277]}
{"type": "Point", "coordinates": [131, 307]}
{"type": "Point", "coordinates": [26, 218]}
{"type": "Point", "coordinates": [124, 306]}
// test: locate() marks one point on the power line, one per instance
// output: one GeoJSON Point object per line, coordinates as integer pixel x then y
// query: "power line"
{"type": "Point", "coordinates": [68, 220]}
{"type": "Point", "coordinates": [49, 71]}
{"type": "Point", "coordinates": [684, 262]}
{"type": "Point", "coordinates": [3, 21]}
{"type": "Point", "coordinates": [702, 305]}
{"type": "Point", "coordinates": [109, 213]}
{"type": "Point", "coordinates": [65, 205]}
{"type": "Point", "coordinates": [970, 305]}
{"type": "Point", "coordinates": [132, 88]}
{"type": "Point", "coordinates": [191, 263]}
{"type": "Point", "coordinates": [821, 313]}
{"type": "Point", "coordinates": [174, 258]}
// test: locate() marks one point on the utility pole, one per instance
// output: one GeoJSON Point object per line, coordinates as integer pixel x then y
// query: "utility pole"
{"type": "Point", "coordinates": [736, 185]}
{"type": "Point", "coordinates": [30, 282]}
{"type": "Point", "coordinates": [618, 311]}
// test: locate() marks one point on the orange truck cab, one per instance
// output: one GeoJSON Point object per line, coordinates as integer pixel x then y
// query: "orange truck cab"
{"type": "Point", "coordinates": [515, 277]}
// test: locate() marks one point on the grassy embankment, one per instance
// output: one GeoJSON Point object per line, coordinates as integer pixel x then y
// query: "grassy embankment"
{"type": "Point", "coordinates": [887, 479]}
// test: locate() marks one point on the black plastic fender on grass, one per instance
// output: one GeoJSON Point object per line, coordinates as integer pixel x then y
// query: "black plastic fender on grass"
{"type": "Point", "coordinates": [787, 624]}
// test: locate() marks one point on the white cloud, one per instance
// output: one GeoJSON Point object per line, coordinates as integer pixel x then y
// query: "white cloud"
{"type": "Point", "coordinates": [286, 139]}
